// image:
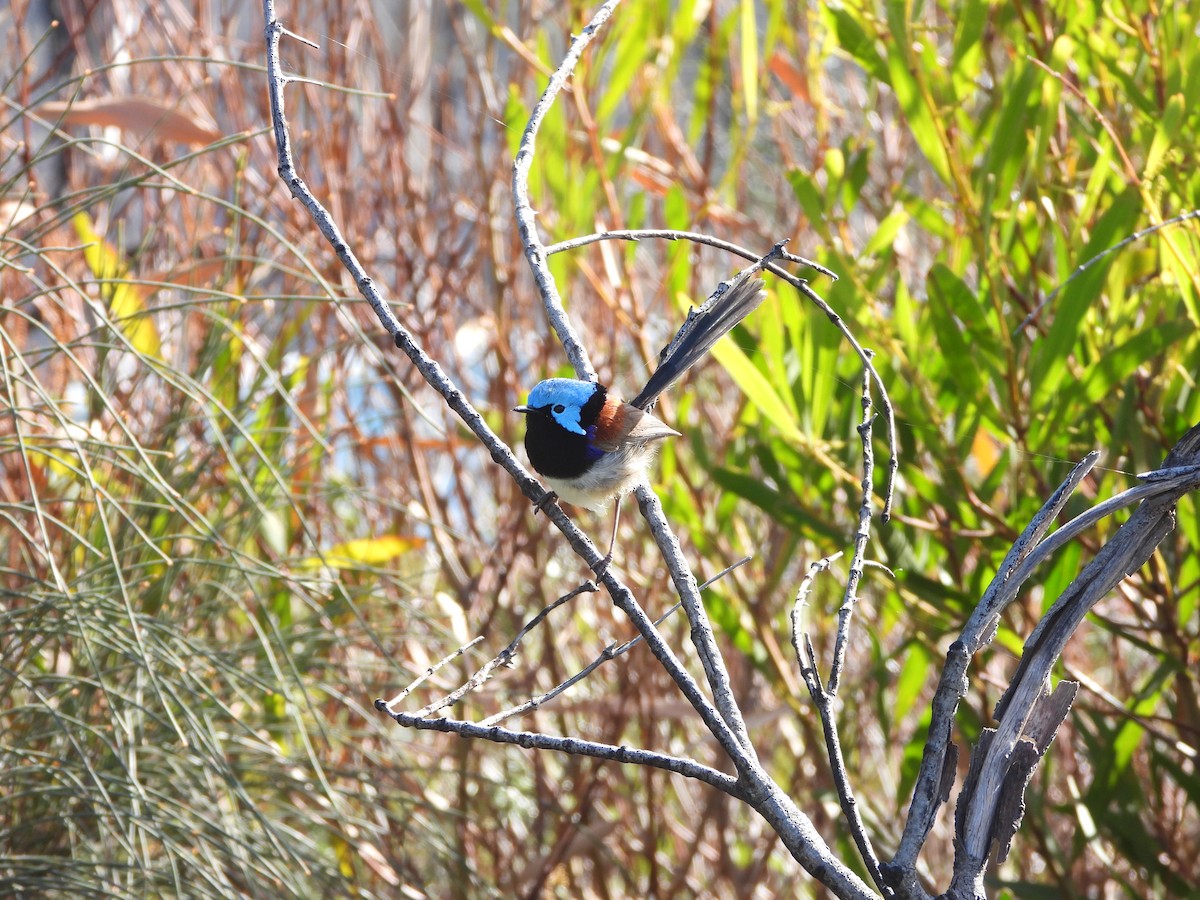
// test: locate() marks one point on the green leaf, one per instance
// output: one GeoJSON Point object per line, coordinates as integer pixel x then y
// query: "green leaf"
{"type": "Point", "coordinates": [783, 509]}
{"type": "Point", "coordinates": [1120, 363]}
{"type": "Point", "coordinates": [807, 194]}
{"type": "Point", "coordinates": [950, 299]}
{"type": "Point", "coordinates": [905, 76]}
{"type": "Point", "coordinates": [853, 39]}
{"type": "Point", "coordinates": [633, 43]}
{"type": "Point", "coordinates": [885, 233]}
{"type": "Point", "coordinates": [1006, 154]}
{"type": "Point", "coordinates": [758, 389]}
{"type": "Point", "coordinates": [1053, 352]}
{"type": "Point", "coordinates": [915, 674]}
{"type": "Point", "coordinates": [749, 59]}
{"type": "Point", "coordinates": [479, 11]}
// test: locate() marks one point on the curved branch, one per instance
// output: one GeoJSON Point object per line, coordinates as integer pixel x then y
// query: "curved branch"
{"type": "Point", "coordinates": [535, 251]}
{"type": "Point", "coordinates": [799, 284]}
{"type": "Point", "coordinates": [696, 237]}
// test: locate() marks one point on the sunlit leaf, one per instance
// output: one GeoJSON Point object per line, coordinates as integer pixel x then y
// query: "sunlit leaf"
{"type": "Point", "coordinates": [376, 551]}
{"type": "Point", "coordinates": [125, 300]}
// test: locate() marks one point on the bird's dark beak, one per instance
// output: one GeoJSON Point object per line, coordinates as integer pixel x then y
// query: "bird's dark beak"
{"type": "Point", "coordinates": [522, 409]}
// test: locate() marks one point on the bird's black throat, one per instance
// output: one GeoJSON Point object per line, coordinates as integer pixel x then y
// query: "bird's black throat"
{"type": "Point", "coordinates": [556, 452]}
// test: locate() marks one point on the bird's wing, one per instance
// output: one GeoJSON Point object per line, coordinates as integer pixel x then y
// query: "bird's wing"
{"type": "Point", "coordinates": [632, 426]}
{"type": "Point", "coordinates": [703, 328]}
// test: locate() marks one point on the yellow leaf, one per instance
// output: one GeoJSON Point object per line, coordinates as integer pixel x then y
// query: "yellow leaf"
{"type": "Point", "coordinates": [985, 452]}
{"type": "Point", "coordinates": [125, 303]}
{"type": "Point", "coordinates": [749, 59]}
{"type": "Point", "coordinates": [363, 552]}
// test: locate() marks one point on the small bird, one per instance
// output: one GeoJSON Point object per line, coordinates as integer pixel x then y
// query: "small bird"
{"type": "Point", "coordinates": [588, 444]}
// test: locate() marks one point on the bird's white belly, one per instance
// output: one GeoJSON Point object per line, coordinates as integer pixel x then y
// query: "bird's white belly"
{"type": "Point", "coordinates": [613, 474]}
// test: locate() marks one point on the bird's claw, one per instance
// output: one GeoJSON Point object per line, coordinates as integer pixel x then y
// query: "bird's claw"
{"type": "Point", "coordinates": [547, 498]}
{"type": "Point", "coordinates": [601, 567]}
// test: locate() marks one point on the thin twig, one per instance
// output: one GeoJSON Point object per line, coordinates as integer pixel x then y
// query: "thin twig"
{"type": "Point", "coordinates": [610, 652]}
{"type": "Point", "coordinates": [504, 658]}
{"type": "Point", "coordinates": [889, 413]}
{"type": "Point", "coordinates": [823, 699]}
{"type": "Point", "coordinates": [301, 39]}
{"type": "Point", "coordinates": [805, 657]}
{"type": "Point", "coordinates": [846, 612]}
{"type": "Point", "coordinates": [823, 695]}
{"type": "Point", "coordinates": [1131, 171]}
{"type": "Point", "coordinates": [1079, 270]}
{"type": "Point", "coordinates": [670, 234]}
{"type": "Point", "coordinates": [431, 670]}
{"type": "Point", "coordinates": [1131, 174]}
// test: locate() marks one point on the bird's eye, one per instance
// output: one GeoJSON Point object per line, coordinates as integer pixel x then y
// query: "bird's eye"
{"type": "Point", "coordinates": [559, 408]}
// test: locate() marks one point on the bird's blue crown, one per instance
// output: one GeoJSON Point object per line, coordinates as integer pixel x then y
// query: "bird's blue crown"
{"type": "Point", "coordinates": [566, 398]}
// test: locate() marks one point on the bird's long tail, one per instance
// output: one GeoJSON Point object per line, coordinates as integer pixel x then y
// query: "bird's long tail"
{"type": "Point", "coordinates": [703, 328]}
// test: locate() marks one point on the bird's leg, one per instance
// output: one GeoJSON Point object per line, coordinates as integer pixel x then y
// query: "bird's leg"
{"type": "Point", "coordinates": [601, 567]}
